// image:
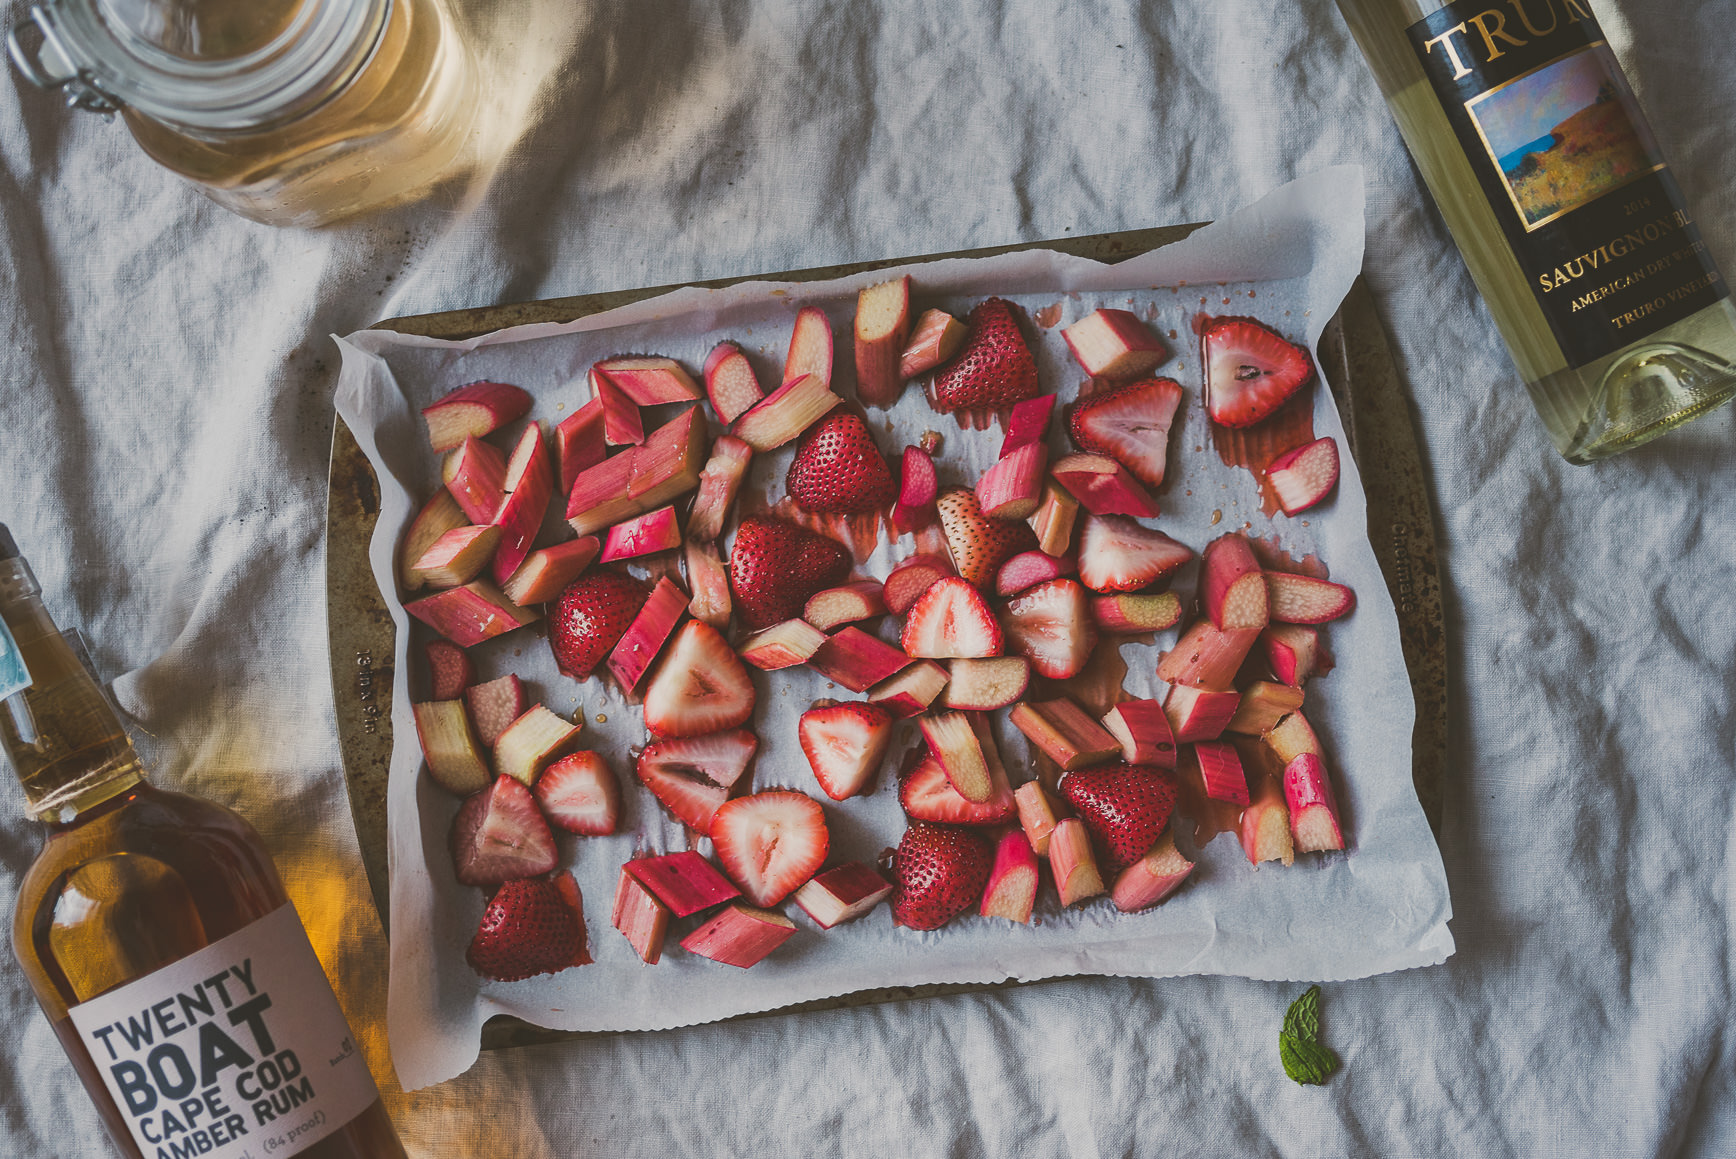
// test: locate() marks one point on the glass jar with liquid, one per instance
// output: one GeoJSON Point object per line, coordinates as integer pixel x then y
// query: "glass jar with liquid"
{"type": "Point", "coordinates": [290, 112]}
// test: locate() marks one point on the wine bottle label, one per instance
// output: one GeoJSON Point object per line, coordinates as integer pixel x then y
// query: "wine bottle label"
{"type": "Point", "coordinates": [14, 676]}
{"type": "Point", "coordinates": [1569, 165]}
{"type": "Point", "coordinates": [237, 1051]}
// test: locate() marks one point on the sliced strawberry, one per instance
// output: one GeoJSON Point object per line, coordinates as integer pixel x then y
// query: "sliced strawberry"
{"type": "Point", "coordinates": [927, 795]}
{"type": "Point", "coordinates": [1125, 806]}
{"type": "Point", "coordinates": [580, 794]}
{"type": "Point", "coordinates": [1118, 555]}
{"type": "Point", "coordinates": [776, 565]}
{"type": "Point", "coordinates": [838, 470]}
{"type": "Point", "coordinates": [498, 835]}
{"type": "Point", "coordinates": [845, 744]}
{"type": "Point", "coordinates": [951, 620]}
{"type": "Point", "coordinates": [770, 843]}
{"type": "Point", "coordinates": [939, 873]}
{"type": "Point", "coordinates": [591, 615]}
{"type": "Point", "coordinates": [1130, 424]}
{"type": "Point", "coordinates": [995, 368]}
{"type": "Point", "coordinates": [700, 685]}
{"type": "Point", "coordinates": [529, 928]}
{"type": "Point", "coordinates": [495, 705]}
{"type": "Point", "coordinates": [449, 669]}
{"type": "Point", "coordinates": [1051, 626]}
{"type": "Point", "coordinates": [691, 776]}
{"type": "Point", "coordinates": [980, 545]}
{"type": "Point", "coordinates": [1249, 370]}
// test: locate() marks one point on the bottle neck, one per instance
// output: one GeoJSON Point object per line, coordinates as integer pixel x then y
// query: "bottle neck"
{"type": "Point", "coordinates": [63, 737]}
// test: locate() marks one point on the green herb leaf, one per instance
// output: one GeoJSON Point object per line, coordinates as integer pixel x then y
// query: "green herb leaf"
{"type": "Point", "coordinates": [1306, 1061]}
{"type": "Point", "coordinates": [1303, 1018]}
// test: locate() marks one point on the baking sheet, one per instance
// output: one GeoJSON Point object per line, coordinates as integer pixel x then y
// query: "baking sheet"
{"type": "Point", "coordinates": [1289, 260]}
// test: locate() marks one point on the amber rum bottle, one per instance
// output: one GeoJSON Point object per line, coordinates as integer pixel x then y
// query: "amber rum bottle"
{"type": "Point", "coordinates": [158, 938]}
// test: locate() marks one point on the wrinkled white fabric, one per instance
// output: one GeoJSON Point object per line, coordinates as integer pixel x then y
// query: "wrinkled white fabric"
{"type": "Point", "coordinates": [164, 423]}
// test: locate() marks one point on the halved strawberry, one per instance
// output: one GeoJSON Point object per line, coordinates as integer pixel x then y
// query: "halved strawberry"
{"type": "Point", "coordinates": [580, 794]}
{"type": "Point", "coordinates": [979, 545]}
{"type": "Point", "coordinates": [450, 671]}
{"type": "Point", "coordinates": [495, 705]}
{"type": "Point", "coordinates": [845, 744]}
{"type": "Point", "coordinates": [838, 470]}
{"type": "Point", "coordinates": [1118, 555]}
{"type": "Point", "coordinates": [951, 620]}
{"type": "Point", "coordinates": [1125, 806]}
{"type": "Point", "coordinates": [591, 616]}
{"type": "Point", "coordinates": [1130, 424]}
{"type": "Point", "coordinates": [770, 843]}
{"type": "Point", "coordinates": [1249, 370]}
{"type": "Point", "coordinates": [995, 368]}
{"type": "Point", "coordinates": [498, 835]}
{"type": "Point", "coordinates": [529, 928]}
{"type": "Point", "coordinates": [776, 565]}
{"type": "Point", "coordinates": [927, 795]}
{"type": "Point", "coordinates": [1051, 626]}
{"type": "Point", "coordinates": [700, 685]}
{"type": "Point", "coordinates": [939, 873]}
{"type": "Point", "coordinates": [692, 775]}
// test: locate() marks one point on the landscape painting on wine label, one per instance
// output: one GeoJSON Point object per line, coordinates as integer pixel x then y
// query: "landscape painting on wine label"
{"type": "Point", "coordinates": [1564, 135]}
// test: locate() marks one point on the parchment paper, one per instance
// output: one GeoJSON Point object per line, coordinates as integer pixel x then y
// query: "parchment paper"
{"type": "Point", "coordinates": [1288, 260]}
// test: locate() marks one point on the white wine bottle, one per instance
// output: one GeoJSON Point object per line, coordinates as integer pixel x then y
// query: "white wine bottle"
{"type": "Point", "coordinates": [1573, 227]}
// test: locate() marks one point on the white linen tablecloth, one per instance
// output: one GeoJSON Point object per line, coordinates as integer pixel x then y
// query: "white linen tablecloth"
{"type": "Point", "coordinates": [165, 394]}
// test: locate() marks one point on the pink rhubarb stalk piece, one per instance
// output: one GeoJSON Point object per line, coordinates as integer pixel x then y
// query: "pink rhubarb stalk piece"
{"type": "Point", "coordinates": [842, 894]}
{"type": "Point", "coordinates": [1103, 486]}
{"type": "Point", "coordinates": [718, 484]}
{"type": "Point", "coordinates": [623, 424]}
{"type": "Point", "coordinates": [1012, 889]}
{"type": "Point", "coordinates": [475, 474]}
{"type": "Point", "coordinates": [646, 534]}
{"type": "Point", "coordinates": [785, 413]}
{"type": "Point", "coordinates": [1263, 705]}
{"type": "Point", "coordinates": [1313, 809]}
{"type": "Point", "coordinates": [856, 660]}
{"type": "Point", "coordinates": [1305, 475]}
{"type": "Point", "coordinates": [642, 478]}
{"type": "Point", "coordinates": [882, 326]}
{"type": "Point", "coordinates": [579, 443]}
{"type": "Point", "coordinates": [987, 684]}
{"type": "Point", "coordinates": [1301, 599]}
{"type": "Point", "coordinates": [1063, 730]}
{"type": "Point", "coordinates": [1206, 657]}
{"type": "Point", "coordinates": [450, 671]}
{"type": "Point", "coordinates": [1152, 878]}
{"type": "Point", "coordinates": [810, 347]}
{"type": "Point", "coordinates": [709, 579]}
{"type": "Point", "coordinates": [847, 604]}
{"type": "Point", "coordinates": [473, 411]}
{"type": "Point", "coordinates": [1013, 487]}
{"type": "Point", "coordinates": [641, 917]}
{"type": "Point", "coordinates": [740, 935]}
{"type": "Point", "coordinates": [1292, 737]}
{"type": "Point", "coordinates": [546, 571]}
{"type": "Point", "coordinates": [1036, 815]}
{"type": "Point", "coordinates": [1292, 652]}
{"type": "Point", "coordinates": [1114, 344]}
{"type": "Point", "coordinates": [495, 705]}
{"type": "Point", "coordinates": [530, 484]}
{"type": "Point", "coordinates": [935, 338]}
{"type": "Point", "coordinates": [458, 556]}
{"type": "Point", "coordinates": [1144, 732]}
{"type": "Point", "coordinates": [1072, 862]}
{"type": "Point", "coordinates": [1130, 612]}
{"type": "Point", "coordinates": [437, 516]}
{"type": "Point", "coordinates": [471, 613]}
{"type": "Point", "coordinates": [782, 645]}
{"type": "Point", "coordinates": [651, 381]}
{"type": "Point", "coordinates": [910, 692]}
{"type": "Point", "coordinates": [685, 882]}
{"type": "Point", "coordinates": [1232, 585]}
{"type": "Point", "coordinates": [1266, 826]}
{"type": "Point", "coordinates": [1030, 568]}
{"type": "Point", "coordinates": [1028, 423]}
{"type": "Point", "coordinates": [730, 382]}
{"type": "Point", "coordinates": [1221, 770]}
{"type": "Point", "coordinates": [907, 582]}
{"type": "Point", "coordinates": [1054, 518]}
{"type": "Point", "coordinates": [455, 760]}
{"type": "Point", "coordinates": [646, 635]}
{"type": "Point", "coordinates": [1197, 714]}
{"type": "Point", "coordinates": [918, 487]}
{"type": "Point", "coordinates": [531, 742]}
{"type": "Point", "coordinates": [956, 746]}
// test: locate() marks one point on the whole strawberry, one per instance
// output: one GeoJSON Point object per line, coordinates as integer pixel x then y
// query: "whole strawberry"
{"type": "Point", "coordinates": [776, 565]}
{"type": "Point", "coordinates": [979, 545]}
{"type": "Point", "coordinates": [530, 927]}
{"type": "Point", "coordinates": [838, 470]}
{"type": "Point", "coordinates": [994, 369]}
{"type": "Point", "coordinates": [940, 871]}
{"type": "Point", "coordinates": [1125, 807]}
{"type": "Point", "coordinates": [590, 617]}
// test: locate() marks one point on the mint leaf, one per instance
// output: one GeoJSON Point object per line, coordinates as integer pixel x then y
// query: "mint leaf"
{"type": "Point", "coordinates": [1305, 1060]}
{"type": "Point", "coordinates": [1303, 1017]}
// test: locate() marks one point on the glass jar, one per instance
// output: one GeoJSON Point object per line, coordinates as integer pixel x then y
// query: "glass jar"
{"type": "Point", "coordinates": [290, 112]}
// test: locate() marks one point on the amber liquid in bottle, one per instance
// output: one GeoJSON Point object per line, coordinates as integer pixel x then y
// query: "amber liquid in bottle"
{"type": "Point", "coordinates": [130, 878]}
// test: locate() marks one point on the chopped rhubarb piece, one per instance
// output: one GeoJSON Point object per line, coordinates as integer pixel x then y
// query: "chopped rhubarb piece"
{"type": "Point", "coordinates": [438, 516]}
{"type": "Point", "coordinates": [782, 645]}
{"type": "Point", "coordinates": [1301, 599]}
{"type": "Point", "coordinates": [936, 337]}
{"type": "Point", "coordinates": [848, 604]}
{"type": "Point", "coordinates": [910, 692]}
{"type": "Point", "coordinates": [579, 442]}
{"type": "Point", "coordinates": [1152, 878]}
{"type": "Point", "coordinates": [709, 580]}
{"type": "Point", "coordinates": [455, 761]}
{"type": "Point", "coordinates": [856, 660]}
{"type": "Point", "coordinates": [842, 894]}
{"type": "Point", "coordinates": [1050, 625]}
{"type": "Point", "coordinates": [692, 776]}
{"type": "Point", "coordinates": [1221, 770]}
{"type": "Point", "coordinates": [1027, 424]}
{"type": "Point", "coordinates": [1118, 555]}
{"type": "Point", "coordinates": [641, 917]}
{"type": "Point", "coordinates": [645, 636]}
{"type": "Point", "coordinates": [531, 742]}
{"type": "Point", "coordinates": [810, 347]}
{"type": "Point", "coordinates": [473, 411]}
{"type": "Point", "coordinates": [685, 882]}
{"type": "Point", "coordinates": [1291, 651]}
{"type": "Point", "coordinates": [580, 794]}
{"type": "Point", "coordinates": [1144, 732]}
{"type": "Point", "coordinates": [1130, 612]}
{"type": "Point", "coordinates": [1063, 730]}
{"type": "Point", "coordinates": [499, 835]}
{"type": "Point", "coordinates": [1313, 808]}
{"type": "Point", "coordinates": [1103, 486]}
{"type": "Point", "coordinates": [1036, 815]}
{"type": "Point", "coordinates": [1266, 826]}
{"type": "Point", "coordinates": [1292, 737]}
{"type": "Point", "coordinates": [1012, 888]}
{"type": "Point", "coordinates": [912, 577]}
{"type": "Point", "coordinates": [956, 746]}
{"type": "Point", "coordinates": [918, 485]}
{"type": "Point", "coordinates": [844, 744]}
{"type": "Point", "coordinates": [456, 557]}
{"type": "Point", "coordinates": [1206, 657]}
{"type": "Point", "coordinates": [471, 613]}
{"type": "Point", "coordinates": [1263, 705]}
{"type": "Point", "coordinates": [495, 705]}
{"type": "Point", "coordinates": [1072, 862]}
{"type": "Point", "coordinates": [1114, 344]}
{"type": "Point", "coordinates": [1013, 487]}
{"type": "Point", "coordinates": [718, 484]}
{"type": "Point", "coordinates": [1028, 569]}
{"type": "Point", "coordinates": [547, 570]}
{"type": "Point", "coordinates": [530, 484]}
{"type": "Point", "coordinates": [1053, 520]}
{"type": "Point", "coordinates": [1197, 714]}
{"type": "Point", "coordinates": [646, 534]}
{"type": "Point", "coordinates": [1232, 586]}
{"type": "Point", "coordinates": [740, 935]}
{"type": "Point", "coordinates": [475, 474]}
{"type": "Point", "coordinates": [601, 494]}
{"type": "Point", "coordinates": [623, 424]}
{"type": "Point", "coordinates": [651, 381]}
{"type": "Point", "coordinates": [926, 795]}
{"type": "Point", "coordinates": [882, 326]}
{"type": "Point", "coordinates": [450, 671]}
{"type": "Point", "coordinates": [1305, 475]}
{"type": "Point", "coordinates": [951, 619]}
{"type": "Point", "coordinates": [981, 685]}
{"type": "Point", "coordinates": [641, 478]}
{"type": "Point", "coordinates": [730, 382]}
{"type": "Point", "coordinates": [785, 413]}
